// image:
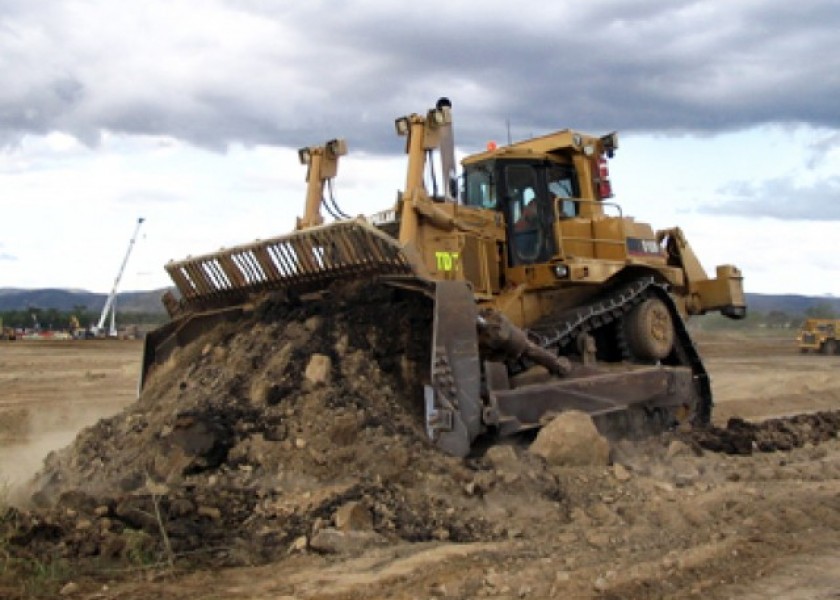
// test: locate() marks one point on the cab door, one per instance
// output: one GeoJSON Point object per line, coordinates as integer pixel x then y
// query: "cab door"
{"type": "Point", "coordinates": [528, 213]}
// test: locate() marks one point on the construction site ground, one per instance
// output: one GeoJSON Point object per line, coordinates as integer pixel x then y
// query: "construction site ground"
{"type": "Point", "coordinates": [665, 519]}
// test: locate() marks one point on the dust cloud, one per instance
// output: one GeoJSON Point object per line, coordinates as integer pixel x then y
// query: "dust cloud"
{"type": "Point", "coordinates": [27, 437]}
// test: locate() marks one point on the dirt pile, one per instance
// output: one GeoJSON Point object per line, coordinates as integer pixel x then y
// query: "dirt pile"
{"type": "Point", "coordinates": [782, 434]}
{"type": "Point", "coordinates": [248, 444]}
{"type": "Point", "coordinates": [298, 430]}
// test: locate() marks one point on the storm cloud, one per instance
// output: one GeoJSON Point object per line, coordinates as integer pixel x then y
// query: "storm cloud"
{"type": "Point", "coordinates": [782, 199]}
{"type": "Point", "coordinates": [291, 74]}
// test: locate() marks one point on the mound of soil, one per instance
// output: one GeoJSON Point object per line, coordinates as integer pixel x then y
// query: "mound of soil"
{"type": "Point", "coordinates": [249, 442]}
{"type": "Point", "coordinates": [772, 435]}
{"type": "Point", "coordinates": [299, 429]}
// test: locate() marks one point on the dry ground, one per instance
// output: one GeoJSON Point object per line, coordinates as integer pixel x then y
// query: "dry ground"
{"type": "Point", "coordinates": [49, 390]}
{"type": "Point", "coordinates": [665, 523]}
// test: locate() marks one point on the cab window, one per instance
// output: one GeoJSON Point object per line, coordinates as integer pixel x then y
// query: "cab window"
{"type": "Point", "coordinates": [480, 190]}
{"type": "Point", "coordinates": [562, 183]}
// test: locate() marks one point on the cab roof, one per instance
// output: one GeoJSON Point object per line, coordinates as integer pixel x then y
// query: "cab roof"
{"type": "Point", "coordinates": [565, 141]}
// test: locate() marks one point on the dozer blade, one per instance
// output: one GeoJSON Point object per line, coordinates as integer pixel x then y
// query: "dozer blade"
{"type": "Point", "coordinates": [303, 261]}
{"type": "Point", "coordinates": [622, 403]}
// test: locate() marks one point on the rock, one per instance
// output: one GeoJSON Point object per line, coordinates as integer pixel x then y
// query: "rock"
{"type": "Point", "coordinates": [180, 507]}
{"type": "Point", "coordinates": [686, 477]}
{"type": "Point", "coordinates": [493, 579]}
{"type": "Point", "coordinates": [571, 439]}
{"type": "Point", "coordinates": [579, 516]}
{"type": "Point", "coordinates": [678, 448]}
{"type": "Point", "coordinates": [76, 501]}
{"type": "Point", "coordinates": [71, 587]}
{"type": "Point", "coordinates": [112, 546]}
{"type": "Point", "coordinates": [318, 370]}
{"type": "Point", "coordinates": [620, 472]}
{"type": "Point", "coordinates": [83, 524]}
{"type": "Point", "coordinates": [299, 545]}
{"type": "Point", "coordinates": [502, 456]}
{"type": "Point", "coordinates": [438, 590]}
{"type": "Point", "coordinates": [344, 430]}
{"type": "Point", "coordinates": [598, 540]}
{"type": "Point", "coordinates": [352, 516]}
{"type": "Point", "coordinates": [602, 584]}
{"type": "Point", "coordinates": [664, 487]}
{"type": "Point", "coordinates": [313, 323]}
{"type": "Point", "coordinates": [210, 512]}
{"type": "Point", "coordinates": [135, 516]}
{"type": "Point", "coordinates": [333, 541]}
{"type": "Point", "coordinates": [567, 538]}
{"type": "Point", "coordinates": [342, 344]}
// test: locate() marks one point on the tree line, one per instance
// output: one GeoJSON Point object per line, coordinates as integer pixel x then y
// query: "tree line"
{"type": "Point", "coordinates": [58, 320]}
{"type": "Point", "coordinates": [62, 320]}
{"type": "Point", "coordinates": [772, 319]}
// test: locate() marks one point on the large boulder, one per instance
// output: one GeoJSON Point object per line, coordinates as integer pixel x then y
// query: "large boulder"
{"type": "Point", "coordinates": [318, 370]}
{"type": "Point", "coordinates": [333, 541]}
{"type": "Point", "coordinates": [571, 439]}
{"type": "Point", "coordinates": [352, 516]}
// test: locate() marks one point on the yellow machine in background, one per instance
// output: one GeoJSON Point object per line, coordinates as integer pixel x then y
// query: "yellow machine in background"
{"type": "Point", "coordinates": [546, 297]}
{"type": "Point", "coordinates": [819, 335]}
{"type": "Point", "coordinates": [7, 333]}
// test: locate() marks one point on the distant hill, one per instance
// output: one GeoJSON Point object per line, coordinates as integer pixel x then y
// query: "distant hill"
{"type": "Point", "coordinates": [789, 303]}
{"type": "Point", "coordinates": [150, 302]}
{"type": "Point", "coordinates": [59, 299]}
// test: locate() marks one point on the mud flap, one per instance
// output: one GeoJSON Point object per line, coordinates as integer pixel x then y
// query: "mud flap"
{"type": "Point", "coordinates": [453, 402]}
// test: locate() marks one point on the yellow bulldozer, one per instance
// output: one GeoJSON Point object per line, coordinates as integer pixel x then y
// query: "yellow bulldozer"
{"type": "Point", "coordinates": [819, 335]}
{"type": "Point", "coordinates": [7, 333]}
{"type": "Point", "coordinates": [545, 296]}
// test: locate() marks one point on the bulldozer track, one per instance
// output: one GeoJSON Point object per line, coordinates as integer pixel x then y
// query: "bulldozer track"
{"type": "Point", "coordinates": [559, 333]}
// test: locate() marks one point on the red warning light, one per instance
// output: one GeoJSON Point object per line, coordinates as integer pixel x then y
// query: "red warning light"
{"type": "Point", "coordinates": [491, 145]}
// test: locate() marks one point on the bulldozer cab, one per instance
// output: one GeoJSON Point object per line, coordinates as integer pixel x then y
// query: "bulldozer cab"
{"type": "Point", "coordinates": [532, 195]}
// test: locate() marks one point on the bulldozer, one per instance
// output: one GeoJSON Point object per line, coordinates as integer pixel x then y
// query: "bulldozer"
{"type": "Point", "coordinates": [545, 296]}
{"type": "Point", "coordinates": [7, 333]}
{"type": "Point", "coordinates": [819, 335]}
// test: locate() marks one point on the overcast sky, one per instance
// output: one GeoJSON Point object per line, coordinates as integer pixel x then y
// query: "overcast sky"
{"type": "Point", "coordinates": [189, 114]}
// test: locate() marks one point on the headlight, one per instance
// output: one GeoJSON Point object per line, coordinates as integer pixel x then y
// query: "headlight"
{"type": "Point", "coordinates": [437, 117]}
{"type": "Point", "coordinates": [305, 155]}
{"type": "Point", "coordinates": [336, 148]}
{"type": "Point", "coordinates": [402, 126]}
{"type": "Point", "coordinates": [561, 271]}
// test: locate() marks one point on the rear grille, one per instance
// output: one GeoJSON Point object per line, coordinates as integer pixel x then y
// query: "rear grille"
{"type": "Point", "coordinates": [303, 260]}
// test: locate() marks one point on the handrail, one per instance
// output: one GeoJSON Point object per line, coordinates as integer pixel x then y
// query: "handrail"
{"type": "Point", "coordinates": [559, 217]}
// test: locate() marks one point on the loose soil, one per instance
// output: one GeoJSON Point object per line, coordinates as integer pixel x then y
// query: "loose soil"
{"type": "Point", "coordinates": [249, 470]}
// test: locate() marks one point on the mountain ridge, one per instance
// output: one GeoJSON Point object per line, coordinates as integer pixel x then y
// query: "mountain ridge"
{"type": "Point", "coordinates": [150, 301]}
{"type": "Point", "coordinates": [69, 299]}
